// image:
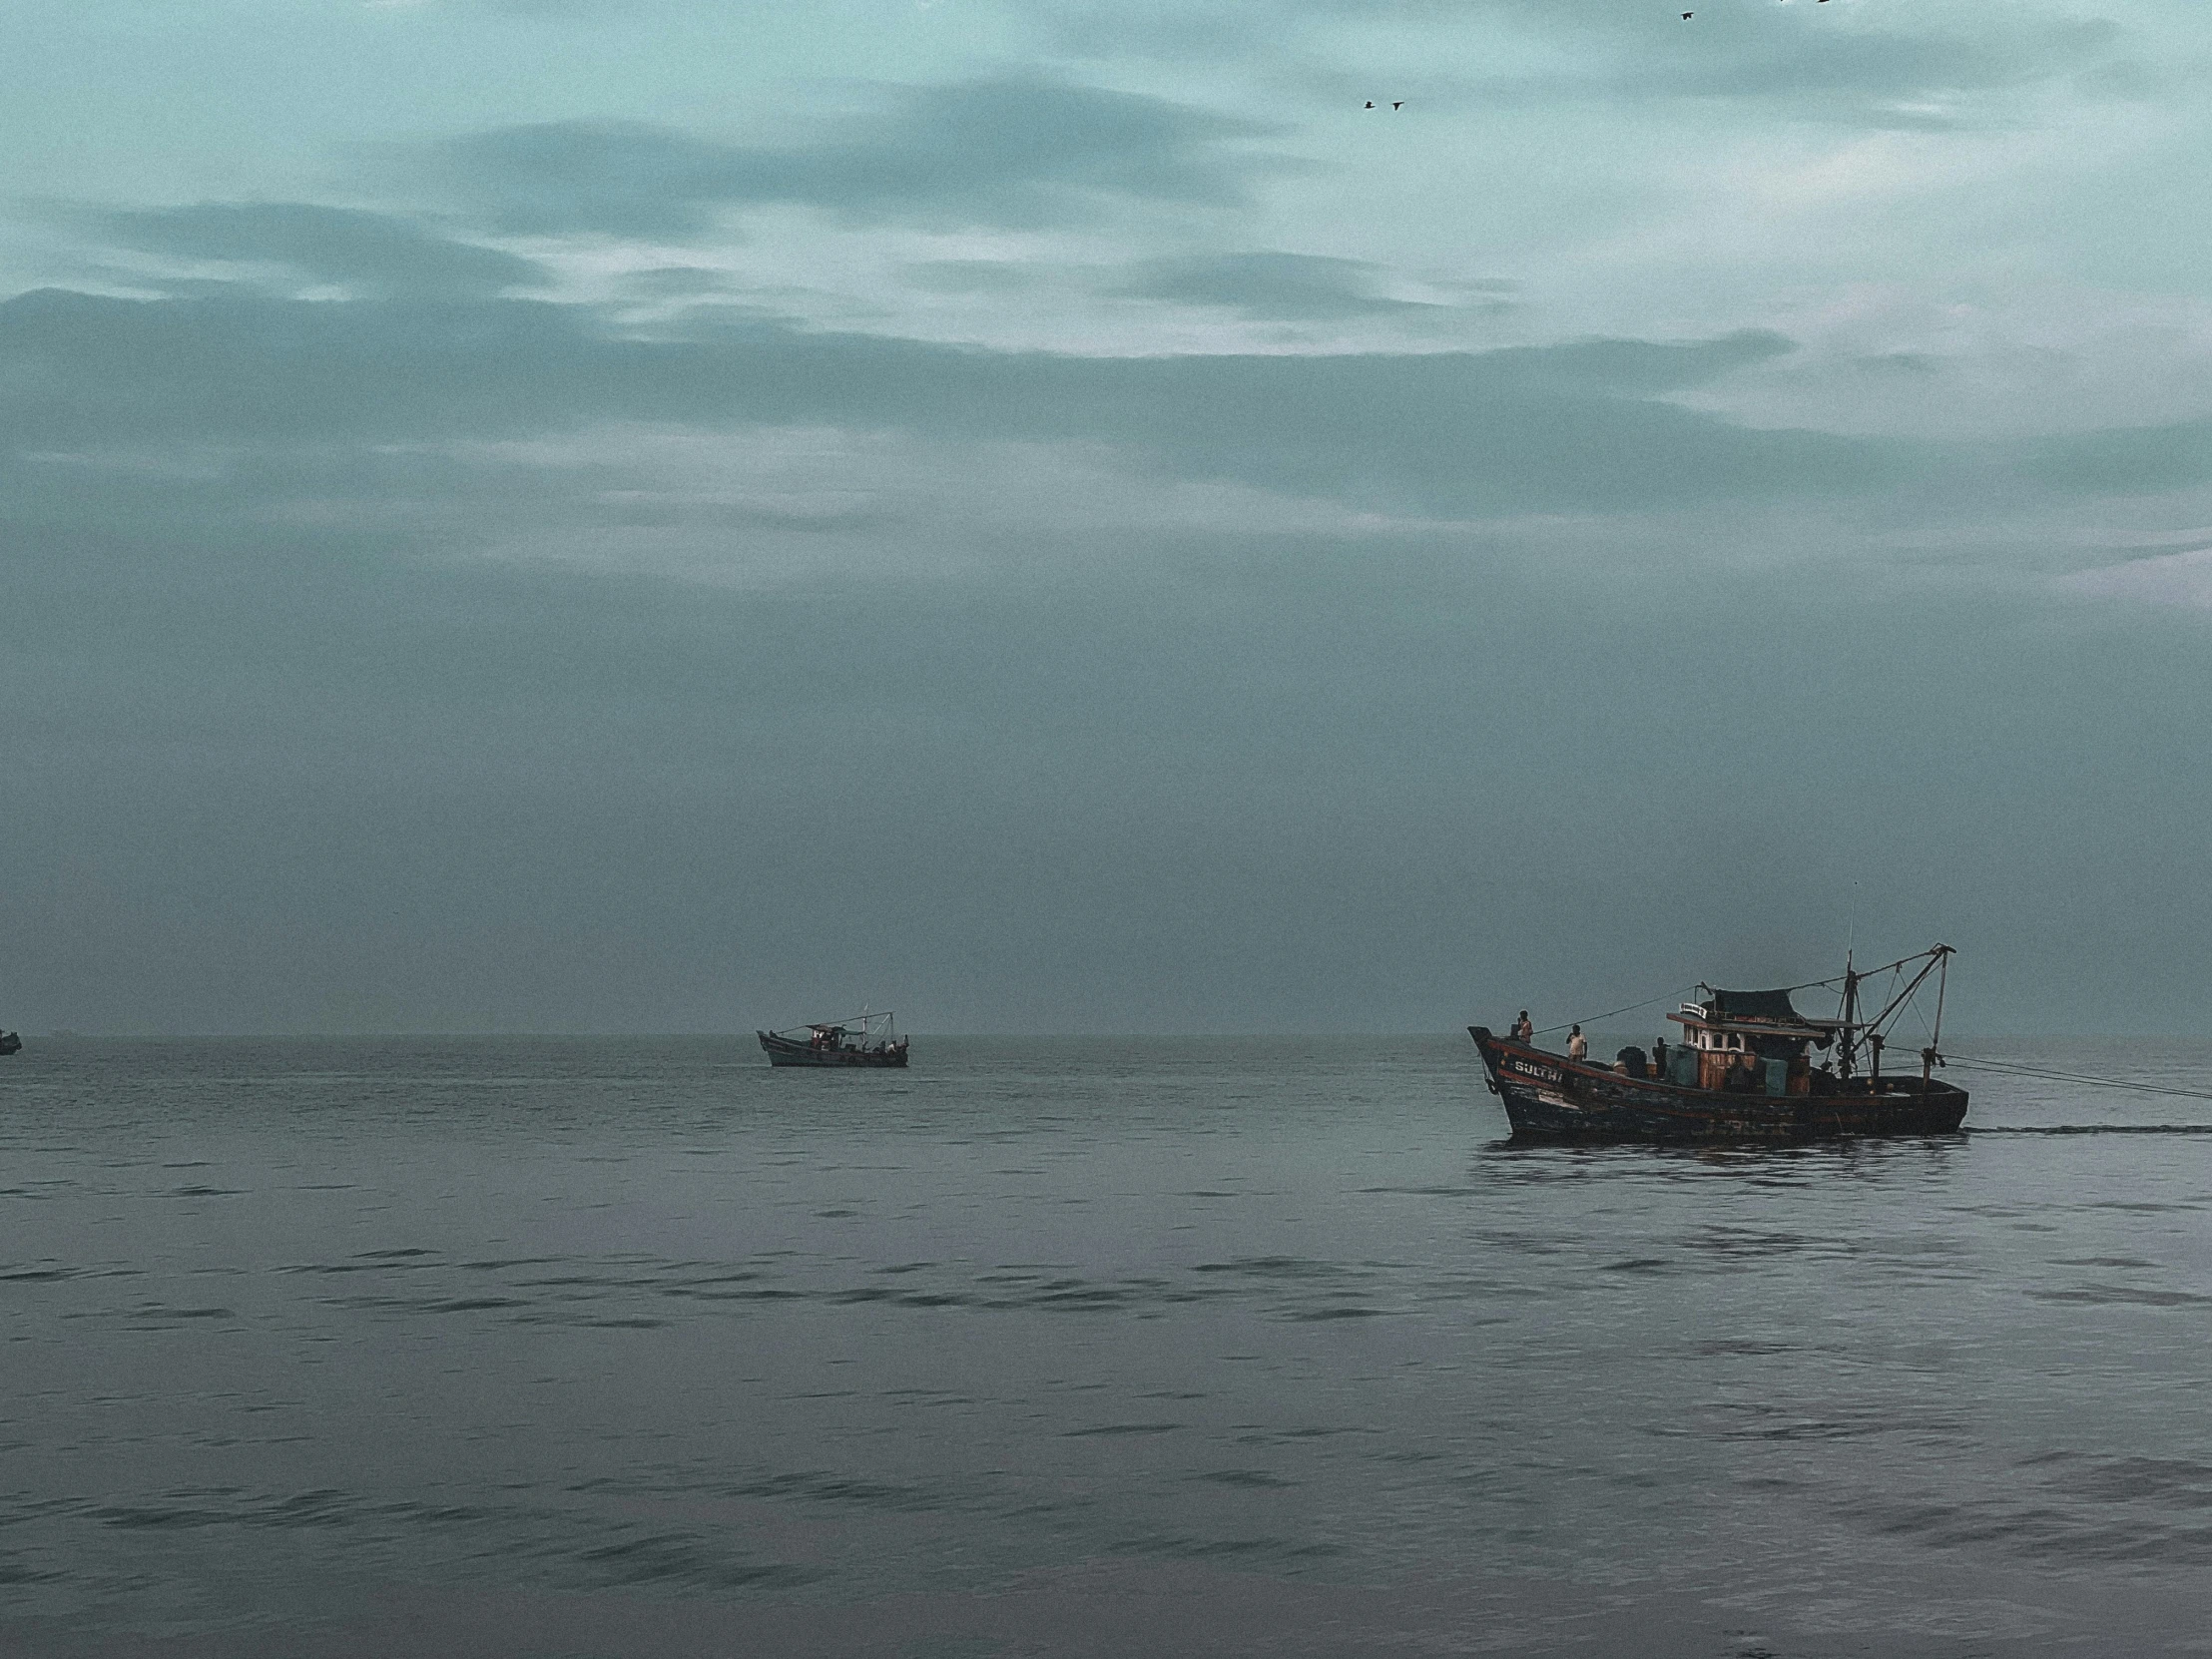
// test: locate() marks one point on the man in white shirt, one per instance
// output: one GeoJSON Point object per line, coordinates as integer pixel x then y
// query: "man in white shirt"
{"type": "Point", "coordinates": [1578, 1046]}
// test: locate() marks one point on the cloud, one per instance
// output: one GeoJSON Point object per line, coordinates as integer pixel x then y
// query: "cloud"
{"type": "Point", "coordinates": [969, 276]}
{"type": "Point", "coordinates": [371, 253]}
{"type": "Point", "coordinates": [681, 281]}
{"type": "Point", "coordinates": [2182, 579]}
{"type": "Point", "coordinates": [1643, 368]}
{"type": "Point", "coordinates": [2127, 460]}
{"type": "Point", "coordinates": [1582, 426]}
{"type": "Point", "coordinates": [1255, 778]}
{"type": "Point", "coordinates": [529, 9]}
{"type": "Point", "coordinates": [1881, 79]}
{"type": "Point", "coordinates": [1875, 76]}
{"type": "Point", "coordinates": [1289, 288]}
{"type": "Point", "coordinates": [386, 417]}
{"type": "Point", "coordinates": [1262, 286]}
{"type": "Point", "coordinates": [1900, 362]}
{"type": "Point", "coordinates": [339, 656]}
{"type": "Point", "coordinates": [1834, 63]}
{"type": "Point", "coordinates": [1011, 152]}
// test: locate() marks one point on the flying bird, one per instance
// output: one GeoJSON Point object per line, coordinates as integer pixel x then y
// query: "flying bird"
{"type": "Point", "coordinates": [1370, 103]}
{"type": "Point", "coordinates": [1400, 105]}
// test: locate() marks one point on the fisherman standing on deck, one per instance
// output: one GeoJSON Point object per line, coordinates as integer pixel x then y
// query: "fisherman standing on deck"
{"type": "Point", "coordinates": [1578, 1046]}
{"type": "Point", "coordinates": [1524, 1029]}
{"type": "Point", "coordinates": [1659, 1058]}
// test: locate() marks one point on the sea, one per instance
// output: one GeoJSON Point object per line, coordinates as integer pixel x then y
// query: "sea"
{"type": "Point", "coordinates": [634, 1347]}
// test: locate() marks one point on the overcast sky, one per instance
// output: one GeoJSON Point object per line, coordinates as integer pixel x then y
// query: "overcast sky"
{"type": "Point", "coordinates": [688, 514]}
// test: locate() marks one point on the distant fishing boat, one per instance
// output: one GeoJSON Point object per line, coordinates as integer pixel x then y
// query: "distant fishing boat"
{"type": "Point", "coordinates": [858, 1040]}
{"type": "Point", "coordinates": [9, 1042]}
{"type": "Point", "coordinates": [1743, 1071]}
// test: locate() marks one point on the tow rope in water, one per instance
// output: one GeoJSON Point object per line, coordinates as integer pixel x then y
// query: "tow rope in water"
{"type": "Point", "coordinates": [2007, 1068]}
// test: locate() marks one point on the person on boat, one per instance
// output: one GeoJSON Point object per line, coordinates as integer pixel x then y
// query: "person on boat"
{"type": "Point", "coordinates": [1524, 1029]}
{"type": "Point", "coordinates": [1578, 1046]}
{"type": "Point", "coordinates": [1659, 1058]}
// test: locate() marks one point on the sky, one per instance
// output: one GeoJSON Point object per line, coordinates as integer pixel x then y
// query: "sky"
{"type": "Point", "coordinates": [686, 515]}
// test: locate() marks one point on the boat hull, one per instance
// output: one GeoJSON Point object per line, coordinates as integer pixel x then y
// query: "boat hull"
{"type": "Point", "coordinates": [1549, 1097]}
{"type": "Point", "coordinates": [782, 1051]}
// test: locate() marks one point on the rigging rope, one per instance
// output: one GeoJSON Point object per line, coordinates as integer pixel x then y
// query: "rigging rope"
{"type": "Point", "coordinates": [1831, 984]}
{"type": "Point", "coordinates": [2046, 1073]}
{"type": "Point", "coordinates": [1592, 1019]}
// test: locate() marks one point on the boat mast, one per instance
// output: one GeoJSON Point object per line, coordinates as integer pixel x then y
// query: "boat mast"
{"type": "Point", "coordinates": [1851, 1030]}
{"type": "Point", "coordinates": [1929, 1057]}
{"type": "Point", "coordinates": [1848, 1046]}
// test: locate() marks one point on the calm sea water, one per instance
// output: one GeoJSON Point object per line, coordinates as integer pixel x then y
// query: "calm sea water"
{"type": "Point", "coordinates": [1078, 1347]}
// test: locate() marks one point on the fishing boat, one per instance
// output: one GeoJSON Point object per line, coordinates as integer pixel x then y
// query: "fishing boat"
{"type": "Point", "coordinates": [856, 1040]}
{"type": "Point", "coordinates": [1743, 1069]}
{"type": "Point", "coordinates": [9, 1042]}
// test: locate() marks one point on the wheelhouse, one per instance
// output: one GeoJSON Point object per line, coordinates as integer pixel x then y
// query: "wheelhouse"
{"type": "Point", "coordinates": [1754, 1042]}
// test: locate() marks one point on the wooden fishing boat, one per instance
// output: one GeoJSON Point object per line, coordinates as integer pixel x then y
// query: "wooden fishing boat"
{"type": "Point", "coordinates": [856, 1040]}
{"type": "Point", "coordinates": [1743, 1071]}
{"type": "Point", "coordinates": [10, 1042]}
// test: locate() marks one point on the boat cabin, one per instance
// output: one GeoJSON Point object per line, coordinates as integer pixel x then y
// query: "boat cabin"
{"type": "Point", "coordinates": [1751, 1042]}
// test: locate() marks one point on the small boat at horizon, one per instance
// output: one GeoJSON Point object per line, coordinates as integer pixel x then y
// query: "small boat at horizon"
{"type": "Point", "coordinates": [861, 1039]}
{"type": "Point", "coordinates": [9, 1042]}
{"type": "Point", "coordinates": [1743, 1071]}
